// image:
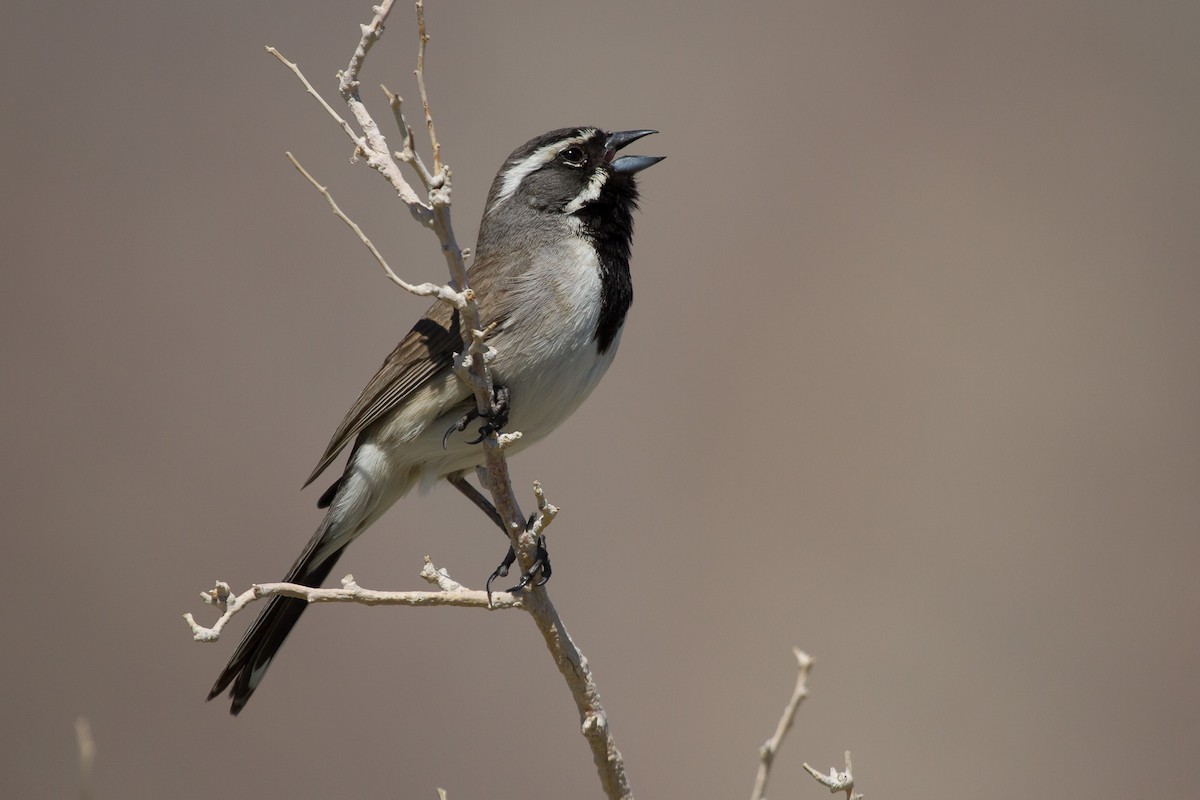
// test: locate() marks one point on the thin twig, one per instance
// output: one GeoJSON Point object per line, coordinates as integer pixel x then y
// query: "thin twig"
{"type": "Point", "coordinates": [440, 291]}
{"type": "Point", "coordinates": [766, 753]}
{"type": "Point", "coordinates": [449, 593]}
{"type": "Point", "coordinates": [573, 667]}
{"type": "Point", "coordinates": [837, 781]}
{"type": "Point", "coordinates": [308, 87]}
{"type": "Point", "coordinates": [420, 73]}
{"type": "Point", "coordinates": [407, 153]}
{"type": "Point", "coordinates": [366, 144]}
{"type": "Point", "coordinates": [546, 512]}
{"type": "Point", "coordinates": [371, 33]}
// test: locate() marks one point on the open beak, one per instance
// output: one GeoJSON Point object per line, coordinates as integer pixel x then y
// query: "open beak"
{"type": "Point", "coordinates": [627, 165]}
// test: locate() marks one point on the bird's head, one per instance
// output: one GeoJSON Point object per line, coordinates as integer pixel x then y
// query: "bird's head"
{"type": "Point", "coordinates": [568, 172]}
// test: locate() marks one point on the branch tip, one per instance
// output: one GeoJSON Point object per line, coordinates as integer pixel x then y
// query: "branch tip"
{"type": "Point", "coordinates": [836, 781]}
{"type": "Point", "coordinates": [768, 751]}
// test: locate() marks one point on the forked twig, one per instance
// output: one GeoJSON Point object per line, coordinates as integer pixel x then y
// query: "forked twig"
{"type": "Point", "coordinates": [440, 291]}
{"type": "Point", "coordinates": [450, 593]}
{"type": "Point", "coordinates": [837, 781]}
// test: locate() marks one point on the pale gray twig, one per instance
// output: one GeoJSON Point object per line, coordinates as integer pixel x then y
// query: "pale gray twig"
{"type": "Point", "coordinates": [766, 753]}
{"type": "Point", "coordinates": [440, 291]}
{"type": "Point", "coordinates": [449, 593]}
{"type": "Point", "coordinates": [408, 152]}
{"type": "Point", "coordinates": [837, 781]}
{"type": "Point", "coordinates": [420, 73]}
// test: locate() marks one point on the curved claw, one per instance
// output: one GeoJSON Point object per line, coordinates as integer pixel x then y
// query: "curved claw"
{"type": "Point", "coordinates": [500, 571]}
{"type": "Point", "coordinates": [484, 432]}
{"type": "Point", "coordinates": [541, 564]}
{"type": "Point", "coordinates": [542, 558]}
{"type": "Point", "coordinates": [497, 418]}
{"type": "Point", "coordinates": [460, 426]}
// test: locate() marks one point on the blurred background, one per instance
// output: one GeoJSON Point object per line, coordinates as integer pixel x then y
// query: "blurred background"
{"type": "Point", "coordinates": [912, 381]}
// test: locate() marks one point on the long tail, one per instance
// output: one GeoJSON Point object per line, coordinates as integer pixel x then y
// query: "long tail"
{"type": "Point", "coordinates": [255, 652]}
{"type": "Point", "coordinates": [356, 503]}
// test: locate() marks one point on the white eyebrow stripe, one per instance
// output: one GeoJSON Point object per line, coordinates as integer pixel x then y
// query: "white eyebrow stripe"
{"type": "Point", "coordinates": [520, 170]}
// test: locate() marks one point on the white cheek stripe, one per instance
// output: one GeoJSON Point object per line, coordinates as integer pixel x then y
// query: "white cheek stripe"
{"type": "Point", "coordinates": [520, 170]}
{"type": "Point", "coordinates": [589, 193]}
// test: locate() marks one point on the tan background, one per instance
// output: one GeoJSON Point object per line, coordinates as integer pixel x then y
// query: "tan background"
{"type": "Point", "coordinates": [911, 381]}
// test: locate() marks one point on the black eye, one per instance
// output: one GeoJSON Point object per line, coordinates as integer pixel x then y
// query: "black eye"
{"type": "Point", "coordinates": [573, 156]}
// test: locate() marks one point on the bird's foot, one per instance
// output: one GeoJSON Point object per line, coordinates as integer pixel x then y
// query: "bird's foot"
{"type": "Point", "coordinates": [539, 569]}
{"type": "Point", "coordinates": [496, 416]}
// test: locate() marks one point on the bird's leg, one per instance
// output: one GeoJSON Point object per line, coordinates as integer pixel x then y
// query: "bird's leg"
{"type": "Point", "coordinates": [501, 571]}
{"type": "Point", "coordinates": [541, 558]}
{"type": "Point", "coordinates": [459, 481]}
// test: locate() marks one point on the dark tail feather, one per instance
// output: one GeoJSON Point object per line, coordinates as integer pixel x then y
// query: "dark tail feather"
{"type": "Point", "coordinates": [253, 655]}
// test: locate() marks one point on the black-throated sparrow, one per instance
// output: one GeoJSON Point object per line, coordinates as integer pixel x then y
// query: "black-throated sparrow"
{"type": "Point", "coordinates": [551, 272]}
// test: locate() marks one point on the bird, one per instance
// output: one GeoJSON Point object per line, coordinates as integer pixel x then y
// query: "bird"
{"type": "Point", "coordinates": [552, 280]}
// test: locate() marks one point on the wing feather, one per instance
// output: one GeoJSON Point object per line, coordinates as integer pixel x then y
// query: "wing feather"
{"type": "Point", "coordinates": [428, 350]}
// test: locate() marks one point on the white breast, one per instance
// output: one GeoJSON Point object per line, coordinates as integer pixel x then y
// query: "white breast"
{"type": "Point", "coordinates": [546, 355]}
{"type": "Point", "coordinates": [548, 359]}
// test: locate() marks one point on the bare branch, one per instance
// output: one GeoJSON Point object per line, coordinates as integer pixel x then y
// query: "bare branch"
{"type": "Point", "coordinates": [450, 593]}
{"type": "Point", "coordinates": [408, 153]}
{"type": "Point", "coordinates": [308, 87]}
{"type": "Point", "coordinates": [578, 676]}
{"type": "Point", "coordinates": [378, 155]}
{"type": "Point", "coordinates": [371, 33]}
{"type": "Point", "coordinates": [766, 753]}
{"type": "Point", "coordinates": [439, 291]}
{"type": "Point", "coordinates": [367, 144]}
{"type": "Point", "coordinates": [420, 73]}
{"type": "Point", "coordinates": [837, 781]}
{"type": "Point", "coordinates": [546, 511]}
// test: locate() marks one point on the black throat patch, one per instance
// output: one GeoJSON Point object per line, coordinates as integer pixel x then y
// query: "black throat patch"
{"type": "Point", "coordinates": [608, 224]}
